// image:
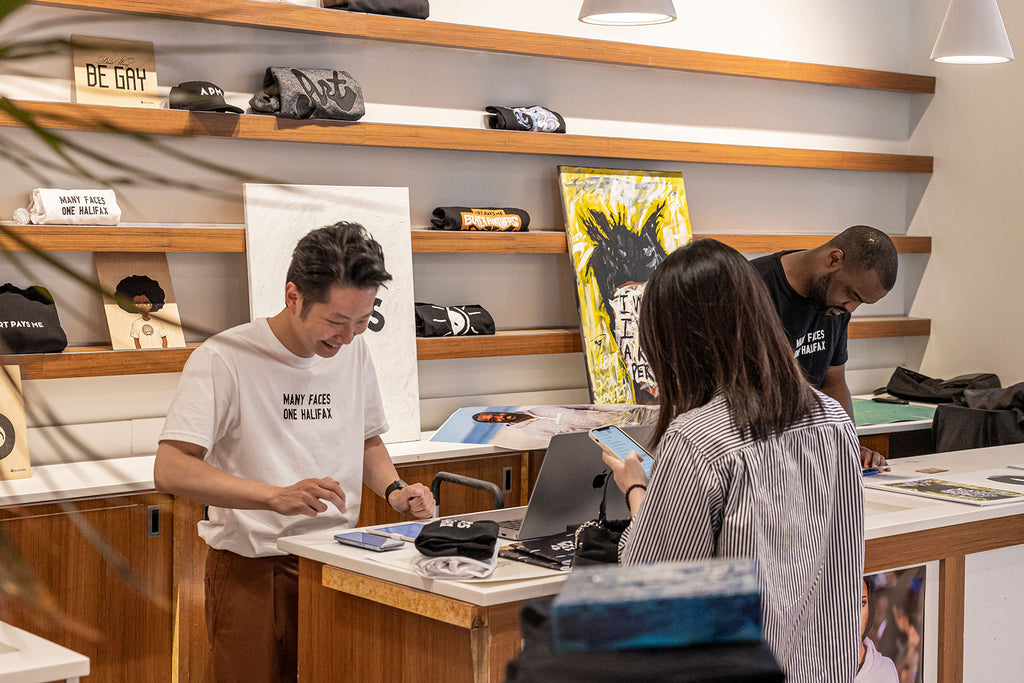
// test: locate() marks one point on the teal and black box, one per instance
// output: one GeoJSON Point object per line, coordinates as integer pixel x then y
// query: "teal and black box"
{"type": "Point", "coordinates": [657, 605]}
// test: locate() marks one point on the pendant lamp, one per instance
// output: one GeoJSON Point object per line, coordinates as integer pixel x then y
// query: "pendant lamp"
{"type": "Point", "coordinates": [627, 12]}
{"type": "Point", "coordinates": [972, 33]}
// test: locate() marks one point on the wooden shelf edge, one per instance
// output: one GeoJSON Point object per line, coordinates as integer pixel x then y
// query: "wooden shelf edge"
{"type": "Point", "coordinates": [154, 121]}
{"type": "Point", "coordinates": [503, 343]}
{"type": "Point", "coordinates": [553, 242]}
{"type": "Point", "coordinates": [231, 239]}
{"type": "Point", "coordinates": [502, 41]}
{"type": "Point", "coordinates": [101, 361]}
{"type": "Point", "coordinates": [876, 327]}
{"type": "Point", "coordinates": [121, 238]}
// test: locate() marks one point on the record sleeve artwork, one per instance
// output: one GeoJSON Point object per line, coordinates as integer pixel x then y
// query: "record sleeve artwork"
{"type": "Point", "coordinates": [619, 225]}
{"type": "Point", "coordinates": [14, 458]}
{"type": "Point", "coordinates": [143, 312]}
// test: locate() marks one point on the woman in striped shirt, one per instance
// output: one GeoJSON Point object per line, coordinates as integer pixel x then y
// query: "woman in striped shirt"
{"type": "Point", "coordinates": [750, 461]}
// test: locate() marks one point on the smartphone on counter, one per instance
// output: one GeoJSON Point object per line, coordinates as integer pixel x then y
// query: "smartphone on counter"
{"type": "Point", "coordinates": [367, 541]}
{"type": "Point", "coordinates": [402, 532]}
{"type": "Point", "coordinates": [616, 441]}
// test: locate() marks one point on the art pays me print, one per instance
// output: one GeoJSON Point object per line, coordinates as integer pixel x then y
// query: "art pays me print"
{"type": "Point", "coordinates": [619, 225]}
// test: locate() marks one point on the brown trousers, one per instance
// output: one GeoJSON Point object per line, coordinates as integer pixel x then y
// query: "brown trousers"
{"type": "Point", "coordinates": [252, 613]}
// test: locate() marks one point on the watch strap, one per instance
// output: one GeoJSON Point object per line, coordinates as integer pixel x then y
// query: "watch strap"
{"type": "Point", "coordinates": [392, 487]}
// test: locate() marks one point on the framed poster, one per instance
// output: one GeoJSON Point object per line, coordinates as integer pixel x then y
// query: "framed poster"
{"type": "Point", "coordinates": [111, 71]}
{"type": "Point", "coordinates": [143, 314]}
{"type": "Point", "coordinates": [277, 216]}
{"type": "Point", "coordinates": [892, 626]}
{"type": "Point", "coordinates": [14, 460]}
{"type": "Point", "coordinates": [619, 225]}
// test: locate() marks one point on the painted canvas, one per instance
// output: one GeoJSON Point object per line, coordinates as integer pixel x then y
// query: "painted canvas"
{"type": "Point", "coordinates": [531, 427]}
{"type": "Point", "coordinates": [143, 313]}
{"type": "Point", "coordinates": [619, 225]}
{"type": "Point", "coordinates": [277, 216]}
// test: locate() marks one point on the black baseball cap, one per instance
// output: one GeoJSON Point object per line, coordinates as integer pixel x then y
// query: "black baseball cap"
{"type": "Point", "coordinates": [200, 96]}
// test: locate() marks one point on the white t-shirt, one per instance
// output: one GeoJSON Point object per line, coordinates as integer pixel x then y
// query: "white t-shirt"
{"type": "Point", "coordinates": [877, 667]}
{"type": "Point", "coordinates": [150, 333]}
{"type": "Point", "coordinates": [266, 414]}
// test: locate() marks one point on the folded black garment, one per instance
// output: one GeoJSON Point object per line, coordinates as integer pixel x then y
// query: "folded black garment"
{"type": "Point", "coordinates": [294, 93]}
{"type": "Point", "coordinates": [415, 9]}
{"type": "Point", "coordinates": [466, 218]}
{"type": "Point", "coordinates": [447, 537]}
{"type": "Point", "coordinates": [535, 118]}
{"type": "Point", "coordinates": [452, 321]}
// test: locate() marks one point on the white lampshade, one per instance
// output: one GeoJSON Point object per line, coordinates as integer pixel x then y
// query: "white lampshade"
{"type": "Point", "coordinates": [972, 33]}
{"type": "Point", "coordinates": [627, 12]}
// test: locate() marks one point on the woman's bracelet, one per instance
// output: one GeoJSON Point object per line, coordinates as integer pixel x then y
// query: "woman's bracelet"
{"type": "Point", "coordinates": [642, 487]}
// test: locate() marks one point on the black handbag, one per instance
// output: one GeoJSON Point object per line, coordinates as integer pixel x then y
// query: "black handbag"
{"type": "Point", "coordinates": [29, 322]}
{"type": "Point", "coordinates": [597, 541]}
{"type": "Point", "coordinates": [914, 386]}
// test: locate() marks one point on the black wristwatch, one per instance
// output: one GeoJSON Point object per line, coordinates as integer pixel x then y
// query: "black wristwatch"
{"type": "Point", "coordinates": [392, 487]}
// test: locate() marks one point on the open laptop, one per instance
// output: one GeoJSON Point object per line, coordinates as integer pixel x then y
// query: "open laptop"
{"type": "Point", "coordinates": [568, 490]}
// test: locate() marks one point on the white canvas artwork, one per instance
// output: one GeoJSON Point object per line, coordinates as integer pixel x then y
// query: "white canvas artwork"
{"type": "Point", "coordinates": [277, 216]}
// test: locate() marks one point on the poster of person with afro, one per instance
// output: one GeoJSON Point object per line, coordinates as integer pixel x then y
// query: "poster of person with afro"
{"type": "Point", "coordinates": [142, 314]}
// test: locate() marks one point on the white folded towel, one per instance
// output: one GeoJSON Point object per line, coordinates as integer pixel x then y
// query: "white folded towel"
{"type": "Point", "coordinates": [71, 207]}
{"type": "Point", "coordinates": [455, 566]}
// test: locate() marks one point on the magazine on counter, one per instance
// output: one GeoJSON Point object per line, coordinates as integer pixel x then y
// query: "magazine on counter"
{"type": "Point", "coordinates": [955, 491]}
{"type": "Point", "coordinates": [554, 551]}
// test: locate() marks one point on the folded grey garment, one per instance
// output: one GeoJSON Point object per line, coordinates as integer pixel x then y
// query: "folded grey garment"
{"type": "Point", "coordinates": [416, 9]}
{"type": "Point", "coordinates": [295, 93]}
{"type": "Point", "coordinates": [996, 399]}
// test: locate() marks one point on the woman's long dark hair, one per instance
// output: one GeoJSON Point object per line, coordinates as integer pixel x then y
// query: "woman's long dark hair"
{"type": "Point", "coordinates": [707, 323]}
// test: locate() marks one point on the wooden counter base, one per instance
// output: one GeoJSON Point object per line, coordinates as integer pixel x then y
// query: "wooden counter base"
{"type": "Point", "coordinates": [347, 620]}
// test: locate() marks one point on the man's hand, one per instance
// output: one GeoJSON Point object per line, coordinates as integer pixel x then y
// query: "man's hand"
{"type": "Point", "coordinates": [870, 458]}
{"type": "Point", "coordinates": [307, 497]}
{"type": "Point", "coordinates": [415, 500]}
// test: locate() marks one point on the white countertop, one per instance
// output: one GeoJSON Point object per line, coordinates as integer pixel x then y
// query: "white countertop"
{"type": "Point", "coordinates": [886, 514]}
{"type": "Point", "coordinates": [27, 658]}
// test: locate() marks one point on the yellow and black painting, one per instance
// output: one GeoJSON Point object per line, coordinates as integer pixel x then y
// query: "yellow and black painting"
{"type": "Point", "coordinates": [620, 225]}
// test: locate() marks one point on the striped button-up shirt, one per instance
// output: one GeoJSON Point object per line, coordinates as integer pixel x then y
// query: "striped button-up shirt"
{"type": "Point", "coordinates": [794, 502]}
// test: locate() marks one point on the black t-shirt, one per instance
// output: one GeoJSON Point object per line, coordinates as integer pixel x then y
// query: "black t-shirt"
{"type": "Point", "coordinates": [818, 340]}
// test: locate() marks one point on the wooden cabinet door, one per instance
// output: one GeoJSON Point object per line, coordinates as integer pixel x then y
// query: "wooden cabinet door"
{"type": "Point", "coordinates": [112, 605]}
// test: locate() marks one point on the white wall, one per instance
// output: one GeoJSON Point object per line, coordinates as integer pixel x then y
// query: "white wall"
{"type": "Point", "coordinates": [973, 207]}
{"type": "Point", "coordinates": [450, 87]}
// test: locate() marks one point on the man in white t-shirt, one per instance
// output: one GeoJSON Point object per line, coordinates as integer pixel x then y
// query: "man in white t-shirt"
{"type": "Point", "coordinates": [276, 425]}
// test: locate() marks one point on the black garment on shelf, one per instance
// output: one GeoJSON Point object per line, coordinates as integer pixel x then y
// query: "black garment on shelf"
{"type": "Point", "coordinates": [415, 9]}
{"type": "Point", "coordinates": [914, 386]}
{"type": "Point", "coordinates": [493, 219]}
{"type": "Point", "coordinates": [452, 321]}
{"type": "Point", "coordinates": [294, 93]}
{"type": "Point", "coordinates": [539, 662]}
{"type": "Point", "coordinates": [29, 321]}
{"type": "Point", "coordinates": [447, 537]}
{"type": "Point", "coordinates": [534, 118]}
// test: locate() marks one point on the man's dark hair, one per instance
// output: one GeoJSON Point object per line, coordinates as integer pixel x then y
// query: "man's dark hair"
{"type": "Point", "coordinates": [139, 285]}
{"type": "Point", "coordinates": [707, 324]}
{"type": "Point", "coordinates": [866, 248]}
{"type": "Point", "coordinates": [339, 255]}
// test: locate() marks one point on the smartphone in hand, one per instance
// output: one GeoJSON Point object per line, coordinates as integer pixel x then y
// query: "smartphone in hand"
{"type": "Point", "coordinates": [616, 441]}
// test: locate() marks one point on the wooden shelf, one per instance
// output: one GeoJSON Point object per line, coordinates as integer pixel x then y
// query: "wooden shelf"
{"type": "Point", "coordinates": [230, 238]}
{"type": "Point", "coordinates": [95, 361]}
{"type": "Point", "coordinates": [412, 31]}
{"type": "Point", "coordinates": [122, 237]}
{"type": "Point", "coordinates": [553, 242]}
{"type": "Point", "coordinates": [80, 117]}
{"type": "Point", "coordinates": [876, 327]}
